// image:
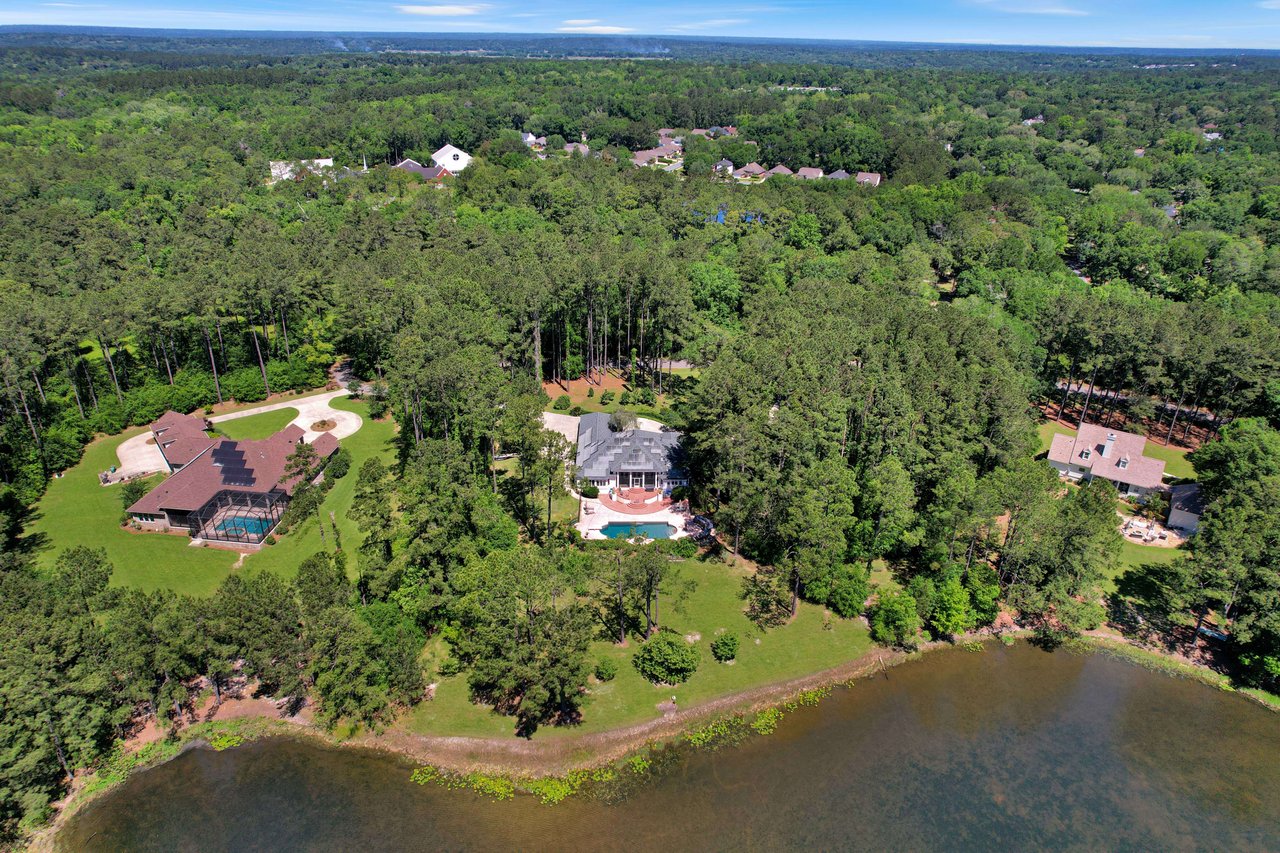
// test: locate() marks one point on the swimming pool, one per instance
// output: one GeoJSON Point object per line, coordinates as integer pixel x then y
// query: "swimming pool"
{"type": "Point", "coordinates": [628, 530]}
{"type": "Point", "coordinates": [243, 525]}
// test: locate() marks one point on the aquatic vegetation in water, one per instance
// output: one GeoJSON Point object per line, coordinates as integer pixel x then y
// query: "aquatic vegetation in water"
{"type": "Point", "coordinates": [766, 722]}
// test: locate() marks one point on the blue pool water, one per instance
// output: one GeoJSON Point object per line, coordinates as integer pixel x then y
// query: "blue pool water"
{"type": "Point", "coordinates": [243, 525]}
{"type": "Point", "coordinates": [627, 530]}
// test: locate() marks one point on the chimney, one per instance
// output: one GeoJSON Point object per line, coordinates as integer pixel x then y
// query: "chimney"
{"type": "Point", "coordinates": [1106, 448]}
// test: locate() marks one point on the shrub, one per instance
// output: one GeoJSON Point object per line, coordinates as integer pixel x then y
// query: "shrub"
{"type": "Point", "coordinates": [606, 669]}
{"type": "Point", "coordinates": [591, 392]}
{"type": "Point", "coordinates": [680, 493]}
{"type": "Point", "coordinates": [625, 399]}
{"type": "Point", "coordinates": [339, 465]}
{"type": "Point", "coordinates": [355, 389]}
{"type": "Point", "coordinates": [895, 620]}
{"type": "Point", "coordinates": [607, 397]}
{"type": "Point", "coordinates": [848, 596]}
{"type": "Point", "coordinates": [646, 397]}
{"type": "Point", "coordinates": [244, 385]}
{"type": "Point", "coordinates": [666, 658]}
{"type": "Point", "coordinates": [725, 647]}
{"type": "Point", "coordinates": [590, 491]}
{"type": "Point", "coordinates": [685, 548]}
{"type": "Point", "coordinates": [562, 403]}
{"type": "Point", "coordinates": [270, 539]}
{"type": "Point", "coordinates": [576, 411]}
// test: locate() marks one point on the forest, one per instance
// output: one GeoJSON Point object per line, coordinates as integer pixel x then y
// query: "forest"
{"type": "Point", "coordinates": [864, 368]}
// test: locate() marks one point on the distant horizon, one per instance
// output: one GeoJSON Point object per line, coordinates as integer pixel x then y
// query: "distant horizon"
{"type": "Point", "coordinates": [1183, 25]}
{"type": "Point", "coordinates": [266, 33]}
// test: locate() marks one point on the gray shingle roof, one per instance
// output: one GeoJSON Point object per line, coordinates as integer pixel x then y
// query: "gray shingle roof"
{"type": "Point", "coordinates": [603, 452]}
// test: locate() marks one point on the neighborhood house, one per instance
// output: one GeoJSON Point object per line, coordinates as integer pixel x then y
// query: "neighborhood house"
{"type": "Point", "coordinates": [222, 490]}
{"type": "Point", "coordinates": [451, 158]}
{"type": "Point", "coordinates": [290, 170]}
{"type": "Point", "coordinates": [628, 459]}
{"type": "Point", "coordinates": [1096, 451]}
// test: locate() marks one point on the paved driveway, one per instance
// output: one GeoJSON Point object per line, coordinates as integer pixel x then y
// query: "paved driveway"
{"type": "Point", "coordinates": [310, 410]}
{"type": "Point", "coordinates": [137, 456]}
{"type": "Point", "coordinates": [566, 425]}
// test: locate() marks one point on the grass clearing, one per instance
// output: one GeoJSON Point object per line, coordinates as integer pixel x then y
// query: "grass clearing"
{"type": "Point", "coordinates": [258, 426]}
{"type": "Point", "coordinates": [76, 510]}
{"type": "Point", "coordinates": [1134, 554]}
{"type": "Point", "coordinates": [1175, 459]}
{"type": "Point", "coordinates": [808, 644]}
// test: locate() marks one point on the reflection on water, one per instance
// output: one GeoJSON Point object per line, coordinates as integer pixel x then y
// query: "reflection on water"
{"type": "Point", "coordinates": [1011, 749]}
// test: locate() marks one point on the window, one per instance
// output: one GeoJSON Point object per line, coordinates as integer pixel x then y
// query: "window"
{"type": "Point", "coordinates": [1086, 453]}
{"type": "Point", "coordinates": [1122, 464]}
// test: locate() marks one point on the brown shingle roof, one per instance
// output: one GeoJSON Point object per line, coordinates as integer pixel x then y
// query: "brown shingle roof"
{"type": "Point", "coordinates": [180, 437]}
{"type": "Point", "coordinates": [809, 173]}
{"type": "Point", "coordinates": [242, 466]}
{"type": "Point", "coordinates": [1142, 471]}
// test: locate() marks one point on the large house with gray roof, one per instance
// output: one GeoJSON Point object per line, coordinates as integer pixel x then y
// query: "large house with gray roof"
{"type": "Point", "coordinates": [628, 459]}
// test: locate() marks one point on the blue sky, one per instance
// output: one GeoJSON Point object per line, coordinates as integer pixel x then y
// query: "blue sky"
{"type": "Point", "coordinates": [1119, 23]}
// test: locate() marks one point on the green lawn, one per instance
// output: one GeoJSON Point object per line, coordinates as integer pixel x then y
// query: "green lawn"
{"type": "Point", "coordinates": [257, 426]}
{"type": "Point", "coordinates": [802, 647]}
{"type": "Point", "coordinates": [1176, 463]}
{"type": "Point", "coordinates": [1133, 554]}
{"type": "Point", "coordinates": [76, 510]}
{"type": "Point", "coordinates": [283, 558]}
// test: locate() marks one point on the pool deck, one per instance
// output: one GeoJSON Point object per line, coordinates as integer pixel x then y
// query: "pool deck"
{"type": "Point", "coordinates": [593, 515]}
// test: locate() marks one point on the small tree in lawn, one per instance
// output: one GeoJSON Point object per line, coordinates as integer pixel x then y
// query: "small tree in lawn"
{"type": "Point", "coordinates": [725, 647]}
{"type": "Point", "coordinates": [666, 659]}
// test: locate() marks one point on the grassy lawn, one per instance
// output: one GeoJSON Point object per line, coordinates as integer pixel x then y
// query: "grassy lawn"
{"type": "Point", "coordinates": [257, 426]}
{"type": "Point", "coordinates": [1133, 554]}
{"type": "Point", "coordinates": [797, 649]}
{"type": "Point", "coordinates": [1175, 459]}
{"type": "Point", "coordinates": [76, 510]}
{"type": "Point", "coordinates": [283, 558]}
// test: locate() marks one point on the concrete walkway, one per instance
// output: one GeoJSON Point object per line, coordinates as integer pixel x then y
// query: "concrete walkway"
{"type": "Point", "coordinates": [310, 410]}
{"type": "Point", "coordinates": [140, 455]}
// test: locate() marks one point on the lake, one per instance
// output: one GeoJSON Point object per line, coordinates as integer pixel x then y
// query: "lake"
{"type": "Point", "coordinates": [1009, 749]}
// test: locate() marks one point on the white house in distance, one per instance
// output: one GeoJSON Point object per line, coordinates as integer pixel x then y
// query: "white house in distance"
{"type": "Point", "coordinates": [288, 170]}
{"type": "Point", "coordinates": [1096, 451]}
{"type": "Point", "coordinates": [451, 158]}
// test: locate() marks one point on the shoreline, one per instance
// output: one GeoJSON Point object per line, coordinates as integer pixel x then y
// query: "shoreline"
{"type": "Point", "coordinates": [519, 762]}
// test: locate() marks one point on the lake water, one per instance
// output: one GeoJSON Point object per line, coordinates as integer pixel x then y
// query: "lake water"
{"type": "Point", "coordinates": [1008, 749]}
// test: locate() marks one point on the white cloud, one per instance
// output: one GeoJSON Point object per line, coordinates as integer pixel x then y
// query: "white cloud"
{"type": "Point", "coordinates": [1034, 7]}
{"type": "Point", "coordinates": [712, 24]}
{"type": "Point", "coordinates": [591, 26]}
{"type": "Point", "coordinates": [445, 11]}
{"type": "Point", "coordinates": [1269, 4]}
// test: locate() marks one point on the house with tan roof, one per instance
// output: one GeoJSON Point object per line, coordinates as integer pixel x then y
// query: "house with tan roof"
{"type": "Point", "coordinates": [808, 173]}
{"type": "Point", "coordinates": [868, 179]}
{"type": "Point", "coordinates": [1095, 451]}
{"type": "Point", "coordinates": [779, 170]}
{"type": "Point", "coordinates": [751, 170]}
{"type": "Point", "coordinates": [223, 490]}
